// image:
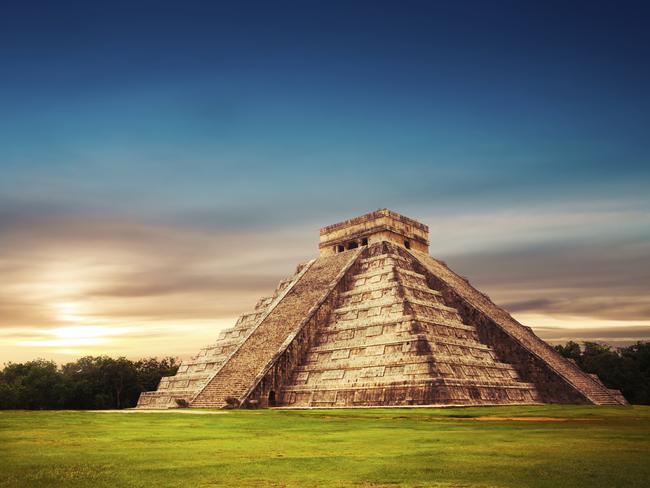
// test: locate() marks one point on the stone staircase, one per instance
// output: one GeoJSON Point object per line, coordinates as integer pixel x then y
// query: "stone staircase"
{"type": "Point", "coordinates": [393, 339]}
{"type": "Point", "coordinates": [261, 347]}
{"type": "Point", "coordinates": [194, 374]}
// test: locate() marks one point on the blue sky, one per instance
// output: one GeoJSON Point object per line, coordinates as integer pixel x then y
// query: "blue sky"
{"type": "Point", "coordinates": [195, 145]}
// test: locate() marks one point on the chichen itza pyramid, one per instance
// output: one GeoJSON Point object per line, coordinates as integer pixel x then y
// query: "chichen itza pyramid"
{"type": "Point", "coordinates": [376, 321]}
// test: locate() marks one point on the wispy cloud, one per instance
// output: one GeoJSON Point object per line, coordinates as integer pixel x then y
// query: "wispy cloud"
{"type": "Point", "coordinates": [616, 336]}
{"type": "Point", "coordinates": [605, 279]}
{"type": "Point", "coordinates": [140, 282]}
{"type": "Point", "coordinates": [149, 280]}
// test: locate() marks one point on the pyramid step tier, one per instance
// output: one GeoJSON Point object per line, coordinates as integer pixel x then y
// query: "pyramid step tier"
{"type": "Point", "coordinates": [389, 304]}
{"type": "Point", "coordinates": [484, 383]}
{"type": "Point", "coordinates": [384, 286]}
{"type": "Point", "coordinates": [432, 392]}
{"type": "Point", "coordinates": [400, 360]}
{"type": "Point", "coordinates": [402, 320]}
{"type": "Point", "coordinates": [403, 339]}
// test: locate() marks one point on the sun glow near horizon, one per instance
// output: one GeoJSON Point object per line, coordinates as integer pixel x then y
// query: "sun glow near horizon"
{"type": "Point", "coordinates": [90, 333]}
{"type": "Point", "coordinates": [126, 300]}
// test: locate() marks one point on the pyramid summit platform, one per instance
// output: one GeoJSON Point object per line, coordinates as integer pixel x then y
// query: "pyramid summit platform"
{"type": "Point", "coordinates": [376, 321]}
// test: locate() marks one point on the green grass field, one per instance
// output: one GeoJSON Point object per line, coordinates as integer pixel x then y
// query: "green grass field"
{"type": "Point", "coordinates": [590, 447]}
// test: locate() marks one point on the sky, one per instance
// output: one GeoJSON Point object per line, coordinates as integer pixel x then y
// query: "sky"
{"type": "Point", "coordinates": [164, 164]}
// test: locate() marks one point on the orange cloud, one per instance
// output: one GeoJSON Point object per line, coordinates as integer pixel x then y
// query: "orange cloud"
{"type": "Point", "coordinates": [102, 284]}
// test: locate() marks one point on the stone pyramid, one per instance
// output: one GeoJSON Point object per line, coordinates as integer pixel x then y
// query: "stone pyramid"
{"type": "Point", "coordinates": [375, 321]}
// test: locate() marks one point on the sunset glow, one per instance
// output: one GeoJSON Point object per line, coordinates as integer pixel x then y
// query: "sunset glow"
{"type": "Point", "coordinates": [155, 184]}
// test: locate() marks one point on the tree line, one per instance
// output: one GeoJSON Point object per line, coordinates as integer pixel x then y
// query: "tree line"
{"type": "Point", "coordinates": [627, 369]}
{"type": "Point", "coordinates": [103, 382]}
{"type": "Point", "coordinates": [88, 383]}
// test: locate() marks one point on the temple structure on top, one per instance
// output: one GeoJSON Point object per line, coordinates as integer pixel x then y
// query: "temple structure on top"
{"type": "Point", "coordinates": [380, 226]}
{"type": "Point", "coordinates": [376, 321]}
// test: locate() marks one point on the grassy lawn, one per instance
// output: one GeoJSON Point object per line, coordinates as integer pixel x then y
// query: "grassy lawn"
{"type": "Point", "coordinates": [590, 447]}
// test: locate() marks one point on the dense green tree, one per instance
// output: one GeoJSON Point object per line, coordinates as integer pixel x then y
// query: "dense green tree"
{"type": "Point", "coordinates": [570, 350]}
{"type": "Point", "coordinates": [88, 383]}
{"type": "Point", "coordinates": [102, 382]}
{"type": "Point", "coordinates": [636, 364]}
{"type": "Point", "coordinates": [33, 385]}
{"type": "Point", "coordinates": [150, 370]}
{"type": "Point", "coordinates": [627, 369]}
